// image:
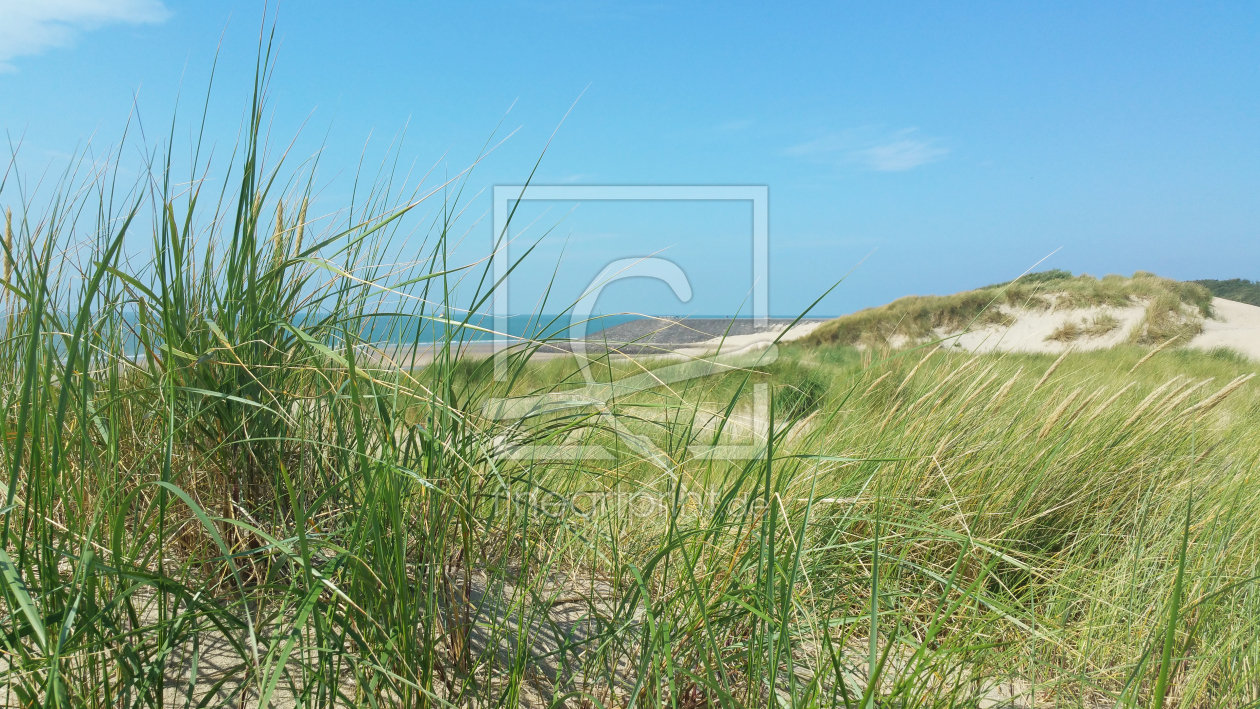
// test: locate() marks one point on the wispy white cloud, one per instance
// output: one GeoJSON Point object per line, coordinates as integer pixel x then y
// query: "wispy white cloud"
{"type": "Point", "coordinates": [30, 27]}
{"type": "Point", "coordinates": [902, 155]}
{"type": "Point", "coordinates": [873, 150]}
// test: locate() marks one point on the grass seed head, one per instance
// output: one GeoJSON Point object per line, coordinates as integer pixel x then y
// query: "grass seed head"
{"type": "Point", "coordinates": [1154, 352]}
{"type": "Point", "coordinates": [1111, 400]}
{"type": "Point", "coordinates": [1002, 393]}
{"type": "Point", "coordinates": [301, 228]}
{"type": "Point", "coordinates": [1046, 377]}
{"type": "Point", "coordinates": [1058, 412]}
{"type": "Point", "coordinates": [1212, 401]}
{"type": "Point", "coordinates": [909, 376]}
{"type": "Point", "coordinates": [1177, 398]}
{"type": "Point", "coordinates": [874, 384]}
{"type": "Point", "coordinates": [1150, 399]}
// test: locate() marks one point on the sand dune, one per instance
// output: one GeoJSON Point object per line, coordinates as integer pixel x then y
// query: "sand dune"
{"type": "Point", "coordinates": [1033, 327]}
{"type": "Point", "coordinates": [1234, 325]}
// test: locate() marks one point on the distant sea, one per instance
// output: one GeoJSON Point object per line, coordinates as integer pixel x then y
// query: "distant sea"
{"type": "Point", "coordinates": [397, 329]}
{"type": "Point", "coordinates": [401, 330]}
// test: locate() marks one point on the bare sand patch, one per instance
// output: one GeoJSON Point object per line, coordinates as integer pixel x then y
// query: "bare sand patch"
{"type": "Point", "coordinates": [1032, 330]}
{"type": "Point", "coordinates": [1234, 325]}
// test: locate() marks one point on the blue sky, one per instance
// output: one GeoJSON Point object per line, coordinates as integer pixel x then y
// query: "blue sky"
{"type": "Point", "coordinates": [948, 145]}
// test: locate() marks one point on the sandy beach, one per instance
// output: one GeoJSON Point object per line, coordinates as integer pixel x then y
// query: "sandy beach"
{"type": "Point", "coordinates": [646, 337]}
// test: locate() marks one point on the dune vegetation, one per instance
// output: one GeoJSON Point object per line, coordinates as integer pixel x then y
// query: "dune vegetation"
{"type": "Point", "coordinates": [217, 496]}
{"type": "Point", "coordinates": [1173, 308]}
{"type": "Point", "coordinates": [1238, 289]}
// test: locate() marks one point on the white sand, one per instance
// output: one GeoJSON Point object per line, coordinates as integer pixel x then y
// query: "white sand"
{"type": "Point", "coordinates": [1236, 326]}
{"type": "Point", "coordinates": [1032, 327]}
{"type": "Point", "coordinates": [735, 343]}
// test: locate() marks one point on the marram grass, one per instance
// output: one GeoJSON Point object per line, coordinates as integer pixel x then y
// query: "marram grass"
{"type": "Point", "coordinates": [216, 496]}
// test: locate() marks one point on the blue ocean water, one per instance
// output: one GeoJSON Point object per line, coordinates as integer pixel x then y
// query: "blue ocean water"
{"type": "Point", "coordinates": [386, 328]}
{"type": "Point", "coordinates": [397, 329]}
